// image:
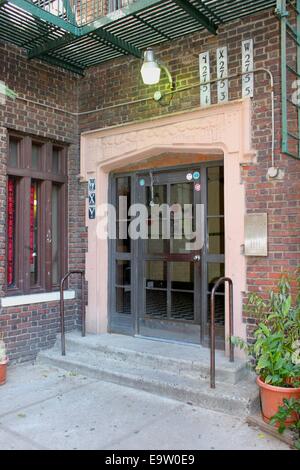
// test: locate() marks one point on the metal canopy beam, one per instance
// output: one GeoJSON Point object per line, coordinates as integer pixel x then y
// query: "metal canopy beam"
{"type": "Point", "coordinates": [131, 9]}
{"type": "Point", "coordinates": [210, 11]}
{"type": "Point", "coordinates": [117, 43]}
{"type": "Point", "coordinates": [65, 65]}
{"type": "Point", "coordinates": [128, 30]}
{"type": "Point", "coordinates": [197, 15]}
{"type": "Point", "coordinates": [51, 46]}
{"type": "Point", "coordinates": [96, 28]}
{"type": "Point", "coordinates": [41, 36]}
{"type": "Point", "coordinates": [156, 30]}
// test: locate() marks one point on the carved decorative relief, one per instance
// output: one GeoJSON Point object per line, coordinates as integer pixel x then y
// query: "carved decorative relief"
{"type": "Point", "coordinates": [219, 128]}
{"type": "Point", "coordinates": [200, 131]}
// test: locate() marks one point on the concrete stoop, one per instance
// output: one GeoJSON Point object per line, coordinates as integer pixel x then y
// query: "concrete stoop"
{"type": "Point", "coordinates": [176, 371]}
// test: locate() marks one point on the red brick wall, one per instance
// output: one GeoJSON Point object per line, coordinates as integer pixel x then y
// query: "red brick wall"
{"type": "Point", "coordinates": [30, 328]}
{"type": "Point", "coordinates": [119, 81]}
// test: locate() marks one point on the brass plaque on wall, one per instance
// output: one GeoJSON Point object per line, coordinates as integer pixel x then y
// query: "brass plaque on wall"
{"type": "Point", "coordinates": [256, 234]}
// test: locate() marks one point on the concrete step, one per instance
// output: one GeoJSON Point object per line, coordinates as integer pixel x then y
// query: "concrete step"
{"type": "Point", "coordinates": [189, 360]}
{"type": "Point", "coordinates": [228, 398]}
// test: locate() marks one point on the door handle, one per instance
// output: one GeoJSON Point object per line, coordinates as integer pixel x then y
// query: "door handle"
{"type": "Point", "coordinates": [49, 236]}
{"type": "Point", "coordinates": [197, 258]}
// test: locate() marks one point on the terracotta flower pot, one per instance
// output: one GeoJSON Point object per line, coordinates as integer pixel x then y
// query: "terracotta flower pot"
{"type": "Point", "coordinates": [272, 398]}
{"type": "Point", "coordinates": [3, 370]}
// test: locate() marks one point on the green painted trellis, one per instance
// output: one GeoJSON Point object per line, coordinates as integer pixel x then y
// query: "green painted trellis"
{"type": "Point", "coordinates": [62, 39]}
{"type": "Point", "coordinates": [287, 9]}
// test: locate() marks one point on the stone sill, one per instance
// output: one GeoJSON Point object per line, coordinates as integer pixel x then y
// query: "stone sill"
{"type": "Point", "coordinates": [16, 300]}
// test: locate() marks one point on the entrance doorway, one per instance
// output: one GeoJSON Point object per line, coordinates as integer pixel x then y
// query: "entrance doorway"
{"type": "Point", "coordinates": [160, 286]}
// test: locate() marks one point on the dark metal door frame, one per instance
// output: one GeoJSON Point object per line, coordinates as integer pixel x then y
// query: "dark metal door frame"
{"type": "Point", "coordinates": [129, 324]}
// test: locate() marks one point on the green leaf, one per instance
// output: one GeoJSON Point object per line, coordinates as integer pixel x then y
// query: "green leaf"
{"type": "Point", "coordinates": [263, 363]}
{"type": "Point", "coordinates": [268, 379]}
{"type": "Point", "coordinates": [281, 428]}
{"type": "Point", "coordinates": [297, 444]}
{"type": "Point", "coordinates": [264, 329]}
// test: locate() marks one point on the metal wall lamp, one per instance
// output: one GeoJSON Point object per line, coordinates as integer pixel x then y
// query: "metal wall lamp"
{"type": "Point", "coordinates": [151, 71]}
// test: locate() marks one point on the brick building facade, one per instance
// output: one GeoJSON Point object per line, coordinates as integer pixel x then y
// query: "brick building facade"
{"type": "Point", "coordinates": [30, 327]}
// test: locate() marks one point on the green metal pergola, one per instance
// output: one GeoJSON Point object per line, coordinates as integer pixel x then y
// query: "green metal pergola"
{"type": "Point", "coordinates": [56, 37]}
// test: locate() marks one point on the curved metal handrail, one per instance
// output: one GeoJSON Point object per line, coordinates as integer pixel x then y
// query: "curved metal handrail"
{"type": "Point", "coordinates": [220, 281]}
{"type": "Point", "coordinates": [62, 307]}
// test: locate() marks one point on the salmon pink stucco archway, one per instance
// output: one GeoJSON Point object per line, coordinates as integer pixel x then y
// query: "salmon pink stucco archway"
{"type": "Point", "coordinates": [223, 130]}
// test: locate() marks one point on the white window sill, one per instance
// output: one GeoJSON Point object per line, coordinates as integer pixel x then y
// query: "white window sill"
{"type": "Point", "coordinates": [15, 300]}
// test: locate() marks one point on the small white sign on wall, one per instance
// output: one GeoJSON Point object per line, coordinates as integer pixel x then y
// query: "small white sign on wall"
{"type": "Point", "coordinates": [247, 68]}
{"type": "Point", "coordinates": [222, 74]}
{"type": "Point", "coordinates": [204, 68]}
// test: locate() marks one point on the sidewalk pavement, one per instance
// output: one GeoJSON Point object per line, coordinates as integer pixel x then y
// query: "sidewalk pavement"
{"type": "Point", "coordinates": [47, 408]}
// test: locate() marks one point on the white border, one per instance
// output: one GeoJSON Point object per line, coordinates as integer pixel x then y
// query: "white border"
{"type": "Point", "coordinates": [15, 300]}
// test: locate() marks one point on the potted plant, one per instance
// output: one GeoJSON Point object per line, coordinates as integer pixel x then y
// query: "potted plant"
{"type": "Point", "coordinates": [289, 409]}
{"type": "Point", "coordinates": [274, 354]}
{"type": "Point", "coordinates": [3, 362]}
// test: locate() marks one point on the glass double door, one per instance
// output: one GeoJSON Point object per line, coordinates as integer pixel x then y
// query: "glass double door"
{"type": "Point", "coordinates": [165, 277]}
{"type": "Point", "coordinates": [170, 260]}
